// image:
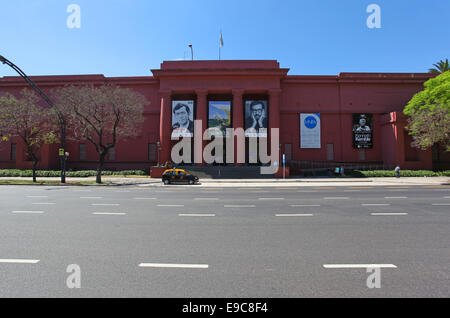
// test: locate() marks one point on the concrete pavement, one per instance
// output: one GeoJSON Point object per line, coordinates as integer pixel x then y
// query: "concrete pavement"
{"type": "Point", "coordinates": [291, 182]}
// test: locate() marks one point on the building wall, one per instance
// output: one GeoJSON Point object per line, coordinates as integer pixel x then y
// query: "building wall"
{"type": "Point", "coordinates": [336, 98]}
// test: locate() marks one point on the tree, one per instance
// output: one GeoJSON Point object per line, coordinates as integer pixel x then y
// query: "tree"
{"type": "Point", "coordinates": [23, 118]}
{"type": "Point", "coordinates": [440, 67]}
{"type": "Point", "coordinates": [429, 113]}
{"type": "Point", "coordinates": [101, 115]}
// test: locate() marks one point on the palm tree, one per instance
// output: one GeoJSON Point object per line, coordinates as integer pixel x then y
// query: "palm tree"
{"type": "Point", "coordinates": [440, 67]}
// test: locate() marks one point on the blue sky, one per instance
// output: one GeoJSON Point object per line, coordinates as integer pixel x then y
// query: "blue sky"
{"type": "Point", "coordinates": [128, 38]}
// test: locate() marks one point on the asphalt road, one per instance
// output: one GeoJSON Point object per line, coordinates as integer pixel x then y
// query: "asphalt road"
{"type": "Point", "coordinates": [181, 241]}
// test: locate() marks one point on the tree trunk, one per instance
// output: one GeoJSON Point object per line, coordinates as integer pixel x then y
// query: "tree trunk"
{"type": "Point", "coordinates": [100, 167]}
{"type": "Point", "coordinates": [34, 170]}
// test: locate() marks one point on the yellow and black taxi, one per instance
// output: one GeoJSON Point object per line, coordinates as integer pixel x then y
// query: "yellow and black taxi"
{"type": "Point", "coordinates": [178, 176]}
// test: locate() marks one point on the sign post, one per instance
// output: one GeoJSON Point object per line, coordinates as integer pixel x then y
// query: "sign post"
{"type": "Point", "coordinates": [284, 166]}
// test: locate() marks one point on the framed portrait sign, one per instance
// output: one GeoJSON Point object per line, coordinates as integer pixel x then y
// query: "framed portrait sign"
{"type": "Point", "coordinates": [256, 118]}
{"type": "Point", "coordinates": [182, 118]}
{"type": "Point", "coordinates": [362, 131]}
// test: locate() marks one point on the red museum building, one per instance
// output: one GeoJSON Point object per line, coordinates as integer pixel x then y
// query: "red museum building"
{"type": "Point", "coordinates": [335, 101]}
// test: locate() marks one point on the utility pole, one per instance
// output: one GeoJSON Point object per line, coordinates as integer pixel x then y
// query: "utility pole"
{"type": "Point", "coordinates": [62, 121]}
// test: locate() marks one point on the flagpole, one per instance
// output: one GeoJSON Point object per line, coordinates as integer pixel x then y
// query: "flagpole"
{"type": "Point", "coordinates": [220, 45]}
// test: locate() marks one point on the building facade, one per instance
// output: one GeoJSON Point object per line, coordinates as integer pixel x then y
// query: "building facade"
{"type": "Point", "coordinates": [351, 119]}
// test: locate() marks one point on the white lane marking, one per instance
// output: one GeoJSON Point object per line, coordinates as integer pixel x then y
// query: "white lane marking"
{"type": "Point", "coordinates": [359, 265]}
{"type": "Point", "coordinates": [270, 198]}
{"type": "Point", "coordinates": [239, 206]}
{"type": "Point", "coordinates": [43, 203]}
{"type": "Point", "coordinates": [105, 204]}
{"type": "Point", "coordinates": [37, 196]}
{"type": "Point", "coordinates": [375, 204]}
{"type": "Point", "coordinates": [200, 215]}
{"type": "Point", "coordinates": [441, 204]}
{"type": "Point", "coordinates": [19, 261]}
{"type": "Point", "coordinates": [30, 212]}
{"type": "Point", "coordinates": [388, 213]}
{"type": "Point", "coordinates": [90, 197]}
{"type": "Point", "coordinates": [446, 197]}
{"type": "Point", "coordinates": [160, 265]}
{"type": "Point", "coordinates": [335, 198]}
{"type": "Point", "coordinates": [206, 199]}
{"type": "Point", "coordinates": [145, 198]}
{"type": "Point", "coordinates": [294, 215]}
{"type": "Point", "coordinates": [304, 205]}
{"type": "Point", "coordinates": [396, 197]}
{"type": "Point", "coordinates": [108, 213]}
{"type": "Point", "coordinates": [170, 205]}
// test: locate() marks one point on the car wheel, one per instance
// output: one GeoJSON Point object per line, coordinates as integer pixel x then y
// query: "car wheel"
{"type": "Point", "coordinates": [191, 181]}
{"type": "Point", "coordinates": [166, 182]}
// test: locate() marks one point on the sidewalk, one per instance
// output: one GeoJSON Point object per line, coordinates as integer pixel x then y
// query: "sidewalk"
{"type": "Point", "coordinates": [297, 182]}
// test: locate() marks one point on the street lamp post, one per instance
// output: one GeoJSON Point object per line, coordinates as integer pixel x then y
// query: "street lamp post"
{"type": "Point", "coordinates": [192, 51]}
{"type": "Point", "coordinates": [62, 121]}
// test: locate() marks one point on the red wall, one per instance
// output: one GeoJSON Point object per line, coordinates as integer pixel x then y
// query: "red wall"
{"type": "Point", "coordinates": [336, 98]}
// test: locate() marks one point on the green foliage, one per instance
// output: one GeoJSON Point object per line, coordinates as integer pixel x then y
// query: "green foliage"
{"type": "Point", "coordinates": [429, 113]}
{"type": "Point", "coordinates": [57, 173]}
{"type": "Point", "coordinates": [440, 67]}
{"type": "Point", "coordinates": [391, 173]}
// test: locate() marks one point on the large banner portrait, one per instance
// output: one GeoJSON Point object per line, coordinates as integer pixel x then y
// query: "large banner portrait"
{"type": "Point", "coordinates": [182, 118]}
{"type": "Point", "coordinates": [362, 131]}
{"type": "Point", "coordinates": [310, 131]}
{"type": "Point", "coordinates": [219, 116]}
{"type": "Point", "coordinates": [256, 114]}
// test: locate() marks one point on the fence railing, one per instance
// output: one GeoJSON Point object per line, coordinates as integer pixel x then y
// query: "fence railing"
{"type": "Point", "coordinates": [323, 165]}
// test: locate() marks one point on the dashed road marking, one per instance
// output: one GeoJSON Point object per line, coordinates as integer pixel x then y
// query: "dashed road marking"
{"type": "Point", "coordinates": [170, 205]}
{"type": "Point", "coordinates": [28, 212]}
{"type": "Point", "coordinates": [239, 206]}
{"type": "Point", "coordinates": [335, 198]}
{"type": "Point", "coordinates": [108, 213]}
{"type": "Point", "coordinates": [387, 214]}
{"type": "Point", "coordinates": [19, 261]}
{"type": "Point", "coordinates": [197, 215]}
{"type": "Point", "coordinates": [359, 266]}
{"type": "Point", "coordinates": [283, 215]}
{"type": "Point", "coordinates": [396, 197]}
{"type": "Point", "coordinates": [160, 265]}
